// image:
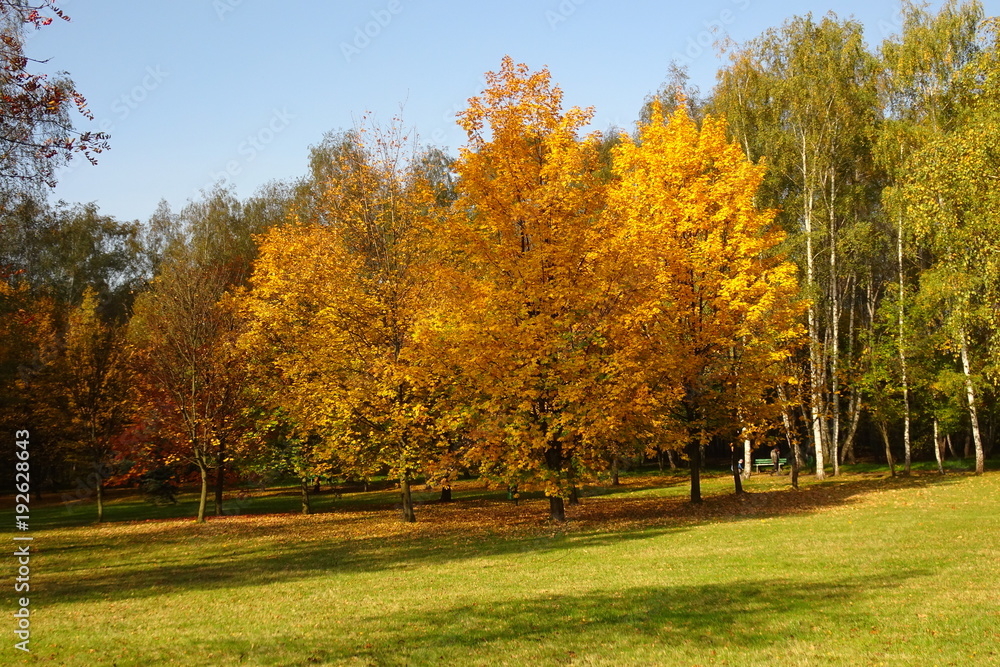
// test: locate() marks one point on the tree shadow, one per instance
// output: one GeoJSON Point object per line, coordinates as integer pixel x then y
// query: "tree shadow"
{"type": "Point", "coordinates": [145, 559]}
{"type": "Point", "coordinates": [813, 497]}
{"type": "Point", "coordinates": [594, 625]}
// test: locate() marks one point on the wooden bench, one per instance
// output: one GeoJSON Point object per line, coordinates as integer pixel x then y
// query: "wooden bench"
{"type": "Point", "coordinates": [767, 463]}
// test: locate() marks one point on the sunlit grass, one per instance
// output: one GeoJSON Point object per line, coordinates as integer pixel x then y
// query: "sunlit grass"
{"type": "Point", "coordinates": [858, 570]}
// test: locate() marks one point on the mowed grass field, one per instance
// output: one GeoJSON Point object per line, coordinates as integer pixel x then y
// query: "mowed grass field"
{"type": "Point", "coordinates": [857, 570]}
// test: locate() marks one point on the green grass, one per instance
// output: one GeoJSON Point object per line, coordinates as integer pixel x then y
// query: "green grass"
{"type": "Point", "coordinates": [858, 570]}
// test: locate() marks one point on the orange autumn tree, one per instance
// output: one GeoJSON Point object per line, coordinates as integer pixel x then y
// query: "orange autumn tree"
{"type": "Point", "coordinates": [96, 383]}
{"type": "Point", "coordinates": [332, 308]}
{"type": "Point", "coordinates": [191, 377]}
{"type": "Point", "coordinates": [525, 294]}
{"type": "Point", "coordinates": [715, 312]}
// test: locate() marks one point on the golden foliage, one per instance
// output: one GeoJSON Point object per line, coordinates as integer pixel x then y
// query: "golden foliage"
{"type": "Point", "coordinates": [716, 307]}
{"type": "Point", "coordinates": [546, 319]}
{"type": "Point", "coordinates": [333, 304]}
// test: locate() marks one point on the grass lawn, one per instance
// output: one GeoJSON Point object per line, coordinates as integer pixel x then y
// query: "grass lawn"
{"type": "Point", "coordinates": [858, 570]}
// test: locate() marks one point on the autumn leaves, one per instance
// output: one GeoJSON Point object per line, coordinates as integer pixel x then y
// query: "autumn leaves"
{"type": "Point", "coordinates": [549, 314]}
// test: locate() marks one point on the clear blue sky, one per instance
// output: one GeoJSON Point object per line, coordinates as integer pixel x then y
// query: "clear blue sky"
{"type": "Point", "coordinates": [195, 90]}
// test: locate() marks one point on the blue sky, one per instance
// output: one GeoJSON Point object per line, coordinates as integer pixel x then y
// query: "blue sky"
{"type": "Point", "coordinates": [195, 91]}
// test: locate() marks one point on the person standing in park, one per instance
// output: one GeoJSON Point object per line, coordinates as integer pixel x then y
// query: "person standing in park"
{"type": "Point", "coordinates": [774, 460]}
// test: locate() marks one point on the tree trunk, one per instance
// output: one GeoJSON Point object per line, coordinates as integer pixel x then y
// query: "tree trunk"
{"type": "Point", "coordinates": [100, 497]}
{"type": "Point", "coordinates": [796, 458]}
{"type": "Point", "coordinates": [404, 485]}
{"type": "Point", "coordinates": [970, 394]}
{"type": "Point", "coordinates": [951, 447]}
{"type": "Point", "coordinates": [220, 479]}
{"type": "Point", "coordinates": [888, 450]}
{"type": "Point", "coordinates": [446, 494]}
{"type": "Point", "coordinates": [671, 458]}
{"type": "Point", "coordinates": [906, 426]}
{"type": "Point", "coordinates": [203, 497]}
{"type": "Point", "coordinates": [847, 451]}
{"type": "Point", "coordinates": [694, 452]}
{"type": "Point", "coordinates": [816, 407]}
{"type": "Point", "coordinates": [834, 347]}
{"type": "Point", "coordinates": [747, 453]}
{"type": "Point", "coordinates": [614, 472]}
{"type": "Point", "coordinates": [557, 509]}
{"type": "Point", "coordinates": [902, 352]}
{"type": "Point", "coordinates": [937, 447]}
{"type": "Point", "coordinates": [659, 459]}
{"type": "Point", "coordinates": [306, 507]}
{"type": "Point", "coordinates": [793, 441]}
{"type": "Point", "coordinates": [737, 476]}
{"type": "Point", "coordinates": [554, 461]}
{"type": "Point", "coordinates": [574, 495]}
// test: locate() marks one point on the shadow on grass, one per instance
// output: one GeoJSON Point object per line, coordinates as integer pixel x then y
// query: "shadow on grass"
{"type": "Point", "coordinates": [126, 505]}
{"type": "Point", "coordinates": [123, 505]}
{"type": "Point", "coordinates": [640, 483]}
{"type": "Point", "coordinates": [140, 560]}
{"type": "Point", "coordinates": [656, 619]}
{"type": "Point", "coordinates": [180, 559]}
{"type": "Point", "coordinates": [779, 499]}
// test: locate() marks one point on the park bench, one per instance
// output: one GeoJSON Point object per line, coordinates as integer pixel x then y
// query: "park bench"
{"type": "Point", "coordinates": [767, 463]}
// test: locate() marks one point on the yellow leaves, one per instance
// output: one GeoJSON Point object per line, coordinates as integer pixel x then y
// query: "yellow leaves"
{"type": "Point", "coordinates": [542, 319]}
{"type": "Point", "coordinates": [528, 291]}
{"type": "Point", "coordinates": [683, 210]}
{"type": "Point", "coordinates": [333, 304]}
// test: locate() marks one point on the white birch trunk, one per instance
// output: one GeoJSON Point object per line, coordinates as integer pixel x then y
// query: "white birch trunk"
{"type": "Point", "coordinates": [902, 354]}
{"type": "Point", "coordinates": [835, 336]}
{"type": "Point", "coordinates": [747, 452]}
{"type": "Point", "coordinates": [816, 406]}
{"type": "Point", "coordinates": [937, 447]}
{"type": "Point", "coordinates": [970, 393]}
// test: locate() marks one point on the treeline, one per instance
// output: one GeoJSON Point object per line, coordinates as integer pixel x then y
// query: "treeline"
{"type": "Point", "coordinates": [807, 257]}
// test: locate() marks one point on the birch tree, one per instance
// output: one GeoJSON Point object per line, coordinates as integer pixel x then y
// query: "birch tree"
{"type": "Point", "coordinates": [804, 96]}
{"type": "Point", "coordinates": [921, 82]}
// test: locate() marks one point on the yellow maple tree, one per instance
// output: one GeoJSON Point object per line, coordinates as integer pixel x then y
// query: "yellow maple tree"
{"type": "Point", "coordinates": [334, 298]}
{"type": "Point", "coordinates": [526, 303]}
{"type": "Point", "coordinates": [715, 310]}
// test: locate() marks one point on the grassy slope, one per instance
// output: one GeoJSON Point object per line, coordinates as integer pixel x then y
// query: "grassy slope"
{"type": "Point", "coordinates": [857, 571]}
